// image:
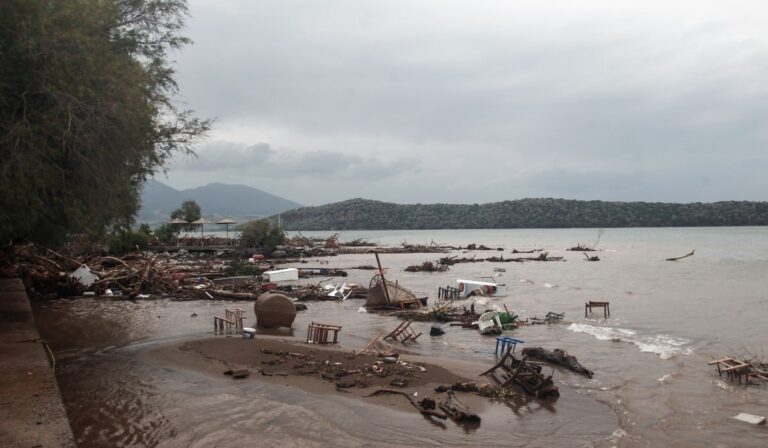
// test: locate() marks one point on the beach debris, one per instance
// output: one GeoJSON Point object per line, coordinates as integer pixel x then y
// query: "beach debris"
{"type": "Point", "coordinates": [489, 323]}
{"type": "Point", "coordinates": [740, 370]}
{"type": "Point", "coordinates": [427, 266]}
{"type": "Point", "coordinates": [591, 258]}
{"type": "Point", "coordinates": [426, 406]}
{"type": "Point", "coordinates": [550, 318]}
{"type": "Point", "coordinates": [528, 376]}
{"type": "Point", "coordinates": [383, 293]}
{"type": "Point", "coordinates": [238, 374]}
{"type": "Point", "coordinates": [505, 344]}
{"type": "Point", "coordinates": [398, 382]}
{"type": "Point", "coordinates": [606, 306]}
{"type": "Point", "coordinates": [274, 310]}
{"type": "Point", "coordinates": [375, 347]}
{"type": "Point", "coordinates": [690, 254]}
{"type": "Point", "coordinates": [484, 390]}
{"type": "Point", "coordinates": [750, 418]}
{"type": "Point", "coordinates": [559, 357]}
{"type": "Point", "coordinates": [318, 333]}
{"type": "Point", "coordinates": [403, 333]}
{"type": "Point", "coordinates": [436, 330]}
{"type": "Point", "coordinates": [84, 276]}
{"type": "Point", "coordinates": [231, 322]}
{"type": "Point", "coordinates": [456, 410]}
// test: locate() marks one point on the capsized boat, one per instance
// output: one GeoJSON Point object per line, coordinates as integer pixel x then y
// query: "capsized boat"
{"type": "Point", "coordinates": [469, 288]}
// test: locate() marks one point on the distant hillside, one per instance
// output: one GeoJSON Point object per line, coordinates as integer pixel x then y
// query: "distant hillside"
{"type": "Point", "coordinates": [362, 214]}
{"type": "Point", "coordinates": [159, 200]}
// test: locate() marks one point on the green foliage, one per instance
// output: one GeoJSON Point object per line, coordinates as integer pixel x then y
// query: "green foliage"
{"type": "Point", "coordinates": [124, 241]}
{"type": "Point", "coordinates": [189, 211]}
{"type": "Point", "coordinates": [360, 214]}
{"type": "Point", "coordinates": [166, 233]}
{"type": "Point", "coordinates": [261, 233]}
{"type": "Point", "coordinates": [240, 267]}
{"type": "Point", "coordinates": [145, 229]}
{"type": "Point", "coordinates": [86, 112]}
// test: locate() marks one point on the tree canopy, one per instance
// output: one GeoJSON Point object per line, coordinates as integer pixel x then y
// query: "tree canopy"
{"type": "Point", "coordinates": [87, 112]}
{"type": "Point", "coordinates": [188, 211]}
{"type": "Point", "coordinates": [262, 234]}
{"type": "Point", "coordinates": [524, 213]}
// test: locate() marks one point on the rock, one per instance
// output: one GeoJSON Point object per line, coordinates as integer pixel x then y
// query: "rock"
{"type": "Point", "coordinates": [300, 307]}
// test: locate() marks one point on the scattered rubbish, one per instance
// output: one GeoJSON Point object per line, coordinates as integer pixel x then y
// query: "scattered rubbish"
{"type": "Point", "coordinates": [383, 293]}
{"type": "Point", "coordinates": [300, 306]}
{"type": "Point", "coordinates": [505, 344]}
{"type": "Point", "coordinates": [690, 254]}
{"type": "Point", "coordinates": [426, 406]}
{"type": "Point", "coordinates": [456, 410]}
{"type": "Point", "coordinates": [740, 370]}
{"type": "Point", "coordinates": [318, 333]}
{"type": "Point", "coordinates": [249, 333]}
{"type": "Point", "coordinates": [591, 258]}
{"type": "Point", "coordinates": [108, 292]}
{"type": "Point", "coordinates": [436, 330]}
{"type": "Point", "coordinates": [750, 418]}
{"type": "Point", "coordinates": [499, 270]}
{"type": "Point", "coordinates": [282, 275]}
{"type": "Point", "coordinates": [389, 360]}
{"type": "Point", "coordinates": [528, 376]}
{"type": "Point", "coordinates": [550, 318]}
{"type": "Point", "coordinates": [399, 382]}
{"type": "Point", "coordinates": [489, 323]}
{"type": "Point", "coordinates": [606, 306]}
{"type": "Point", "coordinates": [427, 266]}
{"type": "Point", "coordinates": [469, 288]}
{"type": "Point", "coordinates": [142, 296]}
{"type": "Point", "coordinates": [274, 310]}
{"type": "Point", "coordinates": [376, 347]}
{"type": "Point", "coordinates": [84, 276]}
{"type": "Point", "coordinates": [231, 322]}
{"type": "Point", "coordinates": [193, 315]}
{"type": "Point", "coordinates": [339, 292]}
{"type": "Point", "coordinates": [238, 374]}
{"type": "Point", "coordinates": [559, 357]}
{"type": "Point", "coordinates": [89, 294]}
{"type": "Point", "coordinates": [403, 333]}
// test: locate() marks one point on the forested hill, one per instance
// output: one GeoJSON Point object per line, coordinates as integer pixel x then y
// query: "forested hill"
{"type": "Point", "coordinates": [362, 214]}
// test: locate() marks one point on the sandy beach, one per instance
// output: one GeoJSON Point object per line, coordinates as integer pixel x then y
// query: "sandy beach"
{"type": "Point", "coordinates": [327, 369]}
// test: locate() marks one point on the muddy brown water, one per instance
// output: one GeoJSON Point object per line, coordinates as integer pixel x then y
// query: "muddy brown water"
{"type": "Point", "coordinates": [652, 386]}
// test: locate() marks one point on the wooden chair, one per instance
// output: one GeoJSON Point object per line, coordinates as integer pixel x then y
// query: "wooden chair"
{"type": "Point", "coordinates": [403, 333]}
{"type": "Point", "coordinates": [318, 333]}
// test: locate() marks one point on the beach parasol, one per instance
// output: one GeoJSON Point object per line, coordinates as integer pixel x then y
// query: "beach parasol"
{"type": "Point", "coordinates": [201, 222]}
{"type": "Point", "coordinates": [177, 222]}
{"type": "Point", "coordinates": [227, 222]}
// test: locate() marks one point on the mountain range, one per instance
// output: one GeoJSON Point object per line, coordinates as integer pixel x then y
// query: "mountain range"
{"type": "Point", "coordinates": [158, 200]}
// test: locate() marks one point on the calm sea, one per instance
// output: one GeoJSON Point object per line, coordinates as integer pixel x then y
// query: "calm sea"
{"type": "Point", "coordinates": [652, 384]}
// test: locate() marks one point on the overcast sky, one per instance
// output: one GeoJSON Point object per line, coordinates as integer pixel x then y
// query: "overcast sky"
{"type": "Point", "coordinates": [472, 102]}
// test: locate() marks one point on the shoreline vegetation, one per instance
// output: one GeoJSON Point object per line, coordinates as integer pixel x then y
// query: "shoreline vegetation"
{"type": "Point", "coordinates": [364, 214]}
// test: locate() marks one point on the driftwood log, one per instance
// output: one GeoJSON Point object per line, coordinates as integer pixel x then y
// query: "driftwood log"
{"type": "Point", "coordinates": [559, 357]}
{"type": "Point", "coordinates": [456, 410]}
{"type": "Point", "coordinates": [680, 258]}
{"type": "Point", "coordinates": [426, 407]}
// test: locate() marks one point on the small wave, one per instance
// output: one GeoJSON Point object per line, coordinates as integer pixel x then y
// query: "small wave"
{"type": "Point", "coordinates": [665, 378]}
{"type": "Point", "coordinates": [550, 285]}
{"type": "Point", "coordinates": [663, 345]}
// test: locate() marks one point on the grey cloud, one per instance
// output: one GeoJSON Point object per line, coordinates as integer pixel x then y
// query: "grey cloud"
{"type": "Point", "coordinates": [519, 91]}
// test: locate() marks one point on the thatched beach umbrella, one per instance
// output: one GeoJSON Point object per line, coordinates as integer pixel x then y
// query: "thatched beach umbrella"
{"type": "Point", "coordinates": [177, 222]}
{"type": "Point", "coordinates": [227, 222]}
{"type": "Point", "coordinates": [201, 222]}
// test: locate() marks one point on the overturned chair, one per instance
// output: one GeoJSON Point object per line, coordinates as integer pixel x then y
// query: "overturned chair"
{"type": "Point", "coordinates": [318, 333]}
{"type": "Point", "coordinates": [403, 333]}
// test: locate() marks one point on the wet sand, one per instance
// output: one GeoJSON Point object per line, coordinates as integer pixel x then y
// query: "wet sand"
{"type": "Point", "coordinates": [294, 363]}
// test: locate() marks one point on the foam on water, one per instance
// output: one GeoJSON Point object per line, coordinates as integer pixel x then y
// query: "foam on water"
{"type": "Point", "coordinates": [663, 345]}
